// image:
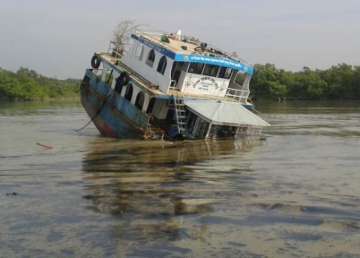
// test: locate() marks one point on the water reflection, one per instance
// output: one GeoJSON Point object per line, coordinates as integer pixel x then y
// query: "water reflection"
{"type": "Point", "coordinates": [155, 178]}
{"type": "Point", "coordinates": [153, 187]}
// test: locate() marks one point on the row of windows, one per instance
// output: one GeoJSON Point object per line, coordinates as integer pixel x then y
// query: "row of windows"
{"type": "Point", "coordinates": [197, 68]}
{"type": "Point", "coordinates": [151, 59]}
{"type": "Point", "coordinates": [210, 70]}
{"type": "Point", "coordinates": [140, 99]}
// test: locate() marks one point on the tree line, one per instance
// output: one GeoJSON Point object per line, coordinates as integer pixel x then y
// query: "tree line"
{"type": "Point", "coordinates": [26, 84]}
{"type": "Point", "coordinates": [338, 82]}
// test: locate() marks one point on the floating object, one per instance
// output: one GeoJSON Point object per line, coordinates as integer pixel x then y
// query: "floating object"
{"type": "Point", "coordinates": [12, 194]}
{"type": "Point", "coordinates": [44, 146]}
{"type": "Point", "coordinates": [183, 89]}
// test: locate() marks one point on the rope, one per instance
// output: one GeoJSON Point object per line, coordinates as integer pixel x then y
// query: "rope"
{"type": "Point", "coordinates": [99, 110]}
{"type": "Point", "coordinates": [96, 114]}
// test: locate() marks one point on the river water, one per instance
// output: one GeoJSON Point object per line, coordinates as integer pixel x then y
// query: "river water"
{"type": "Point", "coordinates": [293, 193]}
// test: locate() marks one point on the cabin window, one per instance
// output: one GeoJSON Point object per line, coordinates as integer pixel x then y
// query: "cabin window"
{"type": "Point", "coordinates": [139, 52]}
{"type": "Point", "coordinates": [219, 131]}
{"type": "Point", "coordinates": [225, 72]}
{"type": "Point", "coordinates": [139, 102]}
{"type": "Point", "coordinates": [196, 68]}
{"type": "Point", "coordinates": [240, 78]}
{"type": "Point", "coordinates": [129, 92]}
{"type": "Point", "coordinates": [151, 58]}
{"type": "Point", "coordinates": [211, 70]}
{"type": "Point", "coordinates": [150, 106]}
{"type": "Point", "coordinates": [119, 85]}
{"type": "Point", "coordinates": [162, 65]}
{"type": "Point", "coordinates": [202, 128]}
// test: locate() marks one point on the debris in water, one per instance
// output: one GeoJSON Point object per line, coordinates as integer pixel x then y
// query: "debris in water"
{"type": "Point", "coordinates": [48, 147]}
{"type": "Point", "coordinates": [11, 194]}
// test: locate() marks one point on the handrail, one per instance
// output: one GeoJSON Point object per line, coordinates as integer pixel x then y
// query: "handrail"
{"type": "Point", "coordinates": [113, 50]}
{"type": "Point", "coordinates": [172, 85]}
{"type": "Point", "coordinates": [237, 94]}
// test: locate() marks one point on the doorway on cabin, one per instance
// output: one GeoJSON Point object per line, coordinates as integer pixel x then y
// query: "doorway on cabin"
{"type": "Point", "coordinates": [178, 72]}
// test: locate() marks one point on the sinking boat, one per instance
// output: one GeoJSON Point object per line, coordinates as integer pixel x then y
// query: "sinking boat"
{"type": "Point", "coordinates": [164, 85]}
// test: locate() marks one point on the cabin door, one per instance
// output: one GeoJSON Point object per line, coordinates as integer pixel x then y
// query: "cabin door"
{"type": "Point", "coordinates": [176, 71]}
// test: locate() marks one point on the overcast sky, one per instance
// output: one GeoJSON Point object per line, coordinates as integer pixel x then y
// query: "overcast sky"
{"type": "Point", "coordinates": [58, 37]}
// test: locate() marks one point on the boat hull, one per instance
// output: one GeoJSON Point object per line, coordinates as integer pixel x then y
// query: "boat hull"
{"type": "Point", "coordinates": [113, 115]}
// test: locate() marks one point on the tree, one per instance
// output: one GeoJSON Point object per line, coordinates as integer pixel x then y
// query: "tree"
{"type": "Point", "coordinates": [356, 82]}
{"type": "Point", "coordinates": [122, 34]}
{"type": "Point", "coordinates": [338, 82]}
{"type": "Point", "coordinates": [26, 84]}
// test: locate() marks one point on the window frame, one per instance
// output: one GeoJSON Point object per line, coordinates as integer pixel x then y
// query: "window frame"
{"type": "Point", "coordinates": [150, 62]}
{"type": "Point", "coordinates": [161, 68]}
{"type": "Point", "coordinates": [211, 70]}
{"type": "Point", "coordinates": [197, 64]}
{"type": "Point", "coordinates": [129, 92]}
{"type": "Point", "coordinates": [140, 100]}
{"type": "Point", "coordinates": [225, 69]}
{"type": "Point", "coordinates": [139, 53]}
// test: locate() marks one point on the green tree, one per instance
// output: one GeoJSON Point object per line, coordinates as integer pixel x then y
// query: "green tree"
{"type": "Point", "coordinates": [26, 84]}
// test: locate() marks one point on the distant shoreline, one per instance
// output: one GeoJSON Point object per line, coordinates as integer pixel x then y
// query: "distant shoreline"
{"type": "Point", "coordinates": [340, 82]}
{"type": "Point", "coordinates": [28, 85]}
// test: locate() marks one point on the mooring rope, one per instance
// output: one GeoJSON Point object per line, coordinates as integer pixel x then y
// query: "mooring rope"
{"type": "Point", "coordinates": [110, 94]}
{"type": "Point", "coordinates": [96, 114]}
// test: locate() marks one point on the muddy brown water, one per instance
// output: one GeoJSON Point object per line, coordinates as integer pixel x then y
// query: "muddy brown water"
{"type": "Point", "coordinates": [295, 193]}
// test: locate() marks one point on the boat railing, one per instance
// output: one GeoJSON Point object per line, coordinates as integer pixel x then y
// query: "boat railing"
{"type": "Point", "coordinates": [114, 50]}
{"type": "Point", "coordinates": [237, 94]}
{"type": "Point", "coordinates": [96, 71]}
{"type": "Point", "coordinates": [173, 85]}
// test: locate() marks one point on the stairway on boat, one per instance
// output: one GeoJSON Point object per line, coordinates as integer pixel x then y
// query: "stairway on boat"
{"type": "Point", "coordinates": [180, 114]}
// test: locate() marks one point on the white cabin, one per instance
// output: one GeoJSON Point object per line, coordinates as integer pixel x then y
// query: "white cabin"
{"type": "Point", "coordinates": [186, 65]}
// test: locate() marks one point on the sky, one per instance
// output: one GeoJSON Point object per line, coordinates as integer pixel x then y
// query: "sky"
{"type": "Point", "coordinates": [58, 37]}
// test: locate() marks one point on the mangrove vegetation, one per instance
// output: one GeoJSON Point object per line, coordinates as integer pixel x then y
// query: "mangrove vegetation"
{"type": "Point", "coordinates": [338, 82]}
{"type": "Point", "coordinates": [26, 84]}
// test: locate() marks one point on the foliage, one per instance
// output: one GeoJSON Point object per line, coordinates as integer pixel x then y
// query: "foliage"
{"type": "Point", "coordinates": [26, 84]}
{"type": "Point", "coordinates": [122, 34]}
{"type": "Point", "coordinates": [338, 82]}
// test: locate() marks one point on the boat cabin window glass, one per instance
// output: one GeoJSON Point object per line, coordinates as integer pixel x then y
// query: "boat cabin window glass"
{"type": "Point", "coordinates": [225, 72]}
{"type": "Point", "coordinates": [162, 65]}
{"type": "Point", "coordinates": [220, 131]}
{"type": "Point", "coordinates": [211, 70]}
{"type": "Point", "coordinates": [151, 58]}
{"type": "Point", "coordinates": [129, 92]}
{"type": "Point", "coordinates": [202, 128]}
{"type": "Point", "coordinates": [150, 106]}
{"type": "Point", "coordinates": [139, 102]}
{"type": "Point", "coordinates": [139, 52]}
{"type": "Point", "coordinates": [240, 78]}
{"type": "Point", "coordinates": [196, 68]}
{"type": "Point", "coordinates": [177, 69]}
{"type": "Point", "coordinates": [119, 85]}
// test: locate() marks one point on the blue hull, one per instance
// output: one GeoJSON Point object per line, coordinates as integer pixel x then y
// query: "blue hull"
{"type": "Point", "coordinates": [113, 115]}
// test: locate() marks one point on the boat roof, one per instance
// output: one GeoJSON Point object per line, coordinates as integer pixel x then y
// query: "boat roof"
{"type": "Point", "coordinates": [189, 49]}
{"type": "Point", "coordinates": [219, 112]}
